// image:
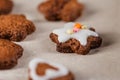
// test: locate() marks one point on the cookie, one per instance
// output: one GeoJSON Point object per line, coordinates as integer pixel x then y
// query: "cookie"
{"type": "Point", "coordinates": [15, 27]}
{"type": "Point", "coordinates": [9, 54]}
{"type": "Point", "coordinates": [67, 10]}
{"type": "Point", "coordinates": [75, 38]}
{"type": "Point", "coordinates": [44, 70]}
{"type": "Point", "coordinates": [5, 6]}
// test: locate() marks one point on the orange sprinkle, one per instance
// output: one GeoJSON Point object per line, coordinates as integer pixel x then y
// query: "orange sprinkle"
{"type": "Point", "coordinates": [77, 25]}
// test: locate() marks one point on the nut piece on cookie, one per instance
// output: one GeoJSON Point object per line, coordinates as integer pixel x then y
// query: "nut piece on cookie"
{"type": "Point", "coordinates": [44, 70]}
{"type": "Point", "coordinates": [15, 27]}
{"type": "Point", "coordinates": [66, 10]}
{"type": "Point", "coordinates": [5, 6]}
{"type": "Point", "coordinates": [75, 38]}
{"type": "Point", "coordinates": [9, 54]}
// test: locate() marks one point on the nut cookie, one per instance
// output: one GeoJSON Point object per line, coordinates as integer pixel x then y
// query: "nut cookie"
{"type": "Point", "coordinates": [9, 54]}
{"type": "Point", "coordinates": [66, 10]}
{"type": "Point", "coordinates": [15, 27]}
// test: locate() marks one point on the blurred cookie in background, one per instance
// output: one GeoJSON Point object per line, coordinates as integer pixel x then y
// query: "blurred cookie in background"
{"type": "Point", "coordinates": [6, 6]}
{"type": "Point", "coordinates": [66, 10]}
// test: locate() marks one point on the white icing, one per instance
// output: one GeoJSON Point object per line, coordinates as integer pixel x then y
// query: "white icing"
{"type": "Point", "coordinates": [50, 73]}
{"type": "Point", "coordinates": [82, 35]}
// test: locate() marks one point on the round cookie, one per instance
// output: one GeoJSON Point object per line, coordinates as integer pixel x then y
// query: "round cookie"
{"type": "Point", "coordinates": [75, 38]}
{"type": "Point", "coordinates": [66, 10]}
{"type": "Point", "coordinates": [15, 27]}
{"type": "Point", "coordinates": [9, 54]}
{"type": "Point", "coordinates": [44, 70]}
{"type": "Point", "coordinates": [5, 6]}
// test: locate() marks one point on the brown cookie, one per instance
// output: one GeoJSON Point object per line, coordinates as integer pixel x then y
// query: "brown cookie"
{"type": "Point", "coordinates": [67, 10]}
{"type": "Point", "coordinates": [5, 6]}
{"type": "Point", "coordinates": [71, 11]}
{"type": "Point", "coordinates": [15, 27]}
{"type": "Point", "coordinates": [9, 54]}
{"type": "Point", "coordinates": [44, 70]}
{"type": "Point", "coordinates": [80, 42]}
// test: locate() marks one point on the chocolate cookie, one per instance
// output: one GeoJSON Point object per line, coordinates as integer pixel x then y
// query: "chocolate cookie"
{"type": "Point", "coordinates": [67, 10]}
{"type": "Point", "coordinates": [5, 6]}
{"type": "Point", "coordinates": [75, 38]}
{"type": "Point", "coordinates": [44, 70]}
{"type": "Point", "coordinates": [9, 54]}
{"type": "Point", "coordinates": [15, 27]}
